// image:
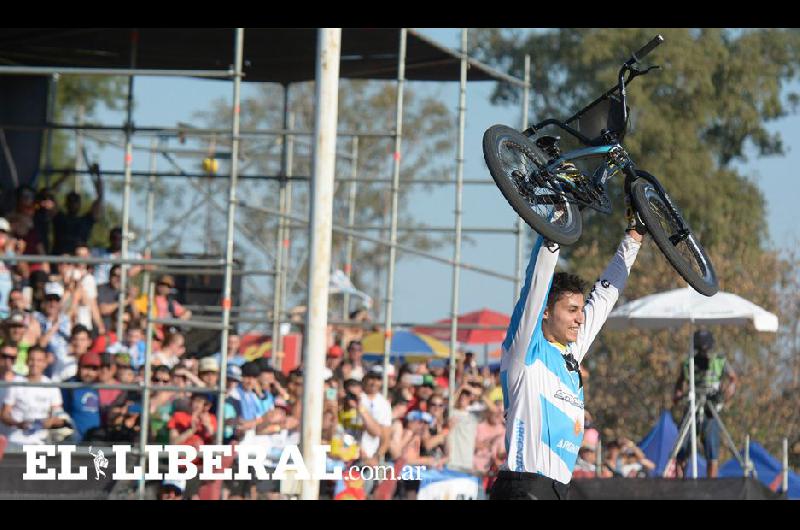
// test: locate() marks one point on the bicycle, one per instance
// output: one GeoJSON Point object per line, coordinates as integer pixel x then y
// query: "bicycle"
{"type": "Point", "coordinates": [548, 191]}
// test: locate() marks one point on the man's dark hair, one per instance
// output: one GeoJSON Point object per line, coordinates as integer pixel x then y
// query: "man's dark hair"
{"type": "Point", "coordinates": [265, 364]}
{"type": "Point", "coordinates": [564, 282]}
{"type": "Point", "coordinates": [113, 269]}
{"type": "Point", "coordinates": [353, 343]}
{"type": "Point", "coordinates": [80, 328]}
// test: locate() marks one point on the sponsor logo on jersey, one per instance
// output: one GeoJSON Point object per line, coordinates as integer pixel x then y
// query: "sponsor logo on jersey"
{"type": "Point", "coordinates": [568, 446]}
{"type": "Point", "coordinates": [569, 398]}
{"type": "Point", "coordinates": [520, 442]}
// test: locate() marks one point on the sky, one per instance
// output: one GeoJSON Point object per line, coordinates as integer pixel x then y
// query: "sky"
{"type": "Point", "coordinates": [423, 287]}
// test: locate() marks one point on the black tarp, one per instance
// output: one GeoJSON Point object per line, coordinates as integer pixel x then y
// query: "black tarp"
{"type": "Point", "coordinates": [24, 146]}
{"type": "Point", "coordinates": [280, 55]}
{"type": "Point", "coordinates": [669, 489]}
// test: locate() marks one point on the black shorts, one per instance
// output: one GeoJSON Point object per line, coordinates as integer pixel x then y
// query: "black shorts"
{"type": "Point", "coordinates": [515, 485]}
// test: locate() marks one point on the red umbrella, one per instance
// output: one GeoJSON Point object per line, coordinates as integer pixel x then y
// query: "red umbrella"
{"type": "Point", "coordinates": [482, 317]}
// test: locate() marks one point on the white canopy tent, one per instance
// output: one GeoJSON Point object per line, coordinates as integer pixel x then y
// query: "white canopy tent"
{"type": "Point", "coordinates": [676, 308]}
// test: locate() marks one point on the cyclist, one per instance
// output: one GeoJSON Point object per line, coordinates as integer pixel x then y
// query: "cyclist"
{"type": "Point", "coordinates": [550, 332]}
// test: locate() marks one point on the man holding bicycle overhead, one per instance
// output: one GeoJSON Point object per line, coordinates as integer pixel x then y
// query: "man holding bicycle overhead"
{"type": "Point", "coordinates": [550, 332]}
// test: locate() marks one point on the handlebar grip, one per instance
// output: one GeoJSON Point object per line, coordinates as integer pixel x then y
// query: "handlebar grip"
{"type": "Point", "coordinates": [647, 48]}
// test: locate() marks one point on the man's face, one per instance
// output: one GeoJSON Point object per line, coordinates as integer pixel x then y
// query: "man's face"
{"type": "Point", "coordinates": [372, 386]}
{"type": "Point", "coordinates": [563, 322]}
{"type": "Point", "coordinates": [424, 392]}
{"type": "Point", "coordinates": [233, 344]}
{"type": "Point", "coordinates": [37, 362]}
{"type": "Point", "coordinates": [3, 239]}
{"type": "Point", "coordinates": [52, 305]}
{"type": "Point", "coordinates": [115, 280]}
{"type": "Point", "coordinates": [266, 379]}
{"type": "Point", "coordinates": [88, 374]}
{"type": "Point", "coordinates": [8, 356]}
{"type": "Point", "coordinates": [16, 300]}
{"type": "Point", "coordinates": [249, 383]}
{"type": "Point", "coordinates": [162, 289]}
{"type": "Point", "coordinates": [15, 333]}
{"type": "Point", "coordinates": [355, 351]}
{"type": "Point", "coordinates": [134, 335]}
{"type": "Point", "coordinates": [125, 374]}
{"type": "Point", "coordinates": [198, 405]}
{"type": "Point", "coordinates": [107, 373]}
{"type": "Point", "coordinates": [210, 378]}
{"type": "Point", "coordinates": [177, 346]}
{"type": "Point", "coordinates": [80, 343]}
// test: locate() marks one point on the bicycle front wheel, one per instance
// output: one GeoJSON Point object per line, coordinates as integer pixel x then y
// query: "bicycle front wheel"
{"type": "Point", "coordinates": [675, 240]}
{"type": "Point", "coordinates": [514, 163]}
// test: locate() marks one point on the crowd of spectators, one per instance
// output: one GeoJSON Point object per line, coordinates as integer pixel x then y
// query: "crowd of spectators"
{"type": "Point", "coordinates": [59, 323]}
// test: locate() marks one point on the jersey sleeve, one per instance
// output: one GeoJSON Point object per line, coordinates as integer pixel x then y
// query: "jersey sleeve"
{"type": "Point", "coordinates": [527, 317]}
{"type": "Point", "coordinates": [605, 294]}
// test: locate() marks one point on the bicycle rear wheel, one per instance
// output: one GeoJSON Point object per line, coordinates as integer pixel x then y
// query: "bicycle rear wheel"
{"type": "Point", "coordinates": [673, 237]}
{"type": "Point", "coordinates": [514, 161]}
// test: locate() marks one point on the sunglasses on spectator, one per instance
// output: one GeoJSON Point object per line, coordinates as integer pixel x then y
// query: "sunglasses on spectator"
{"type": "Point", "coordinates": [437, 404]}
{"type": "Point", "coordinates": [159, 380]}
{"type": "Point", "coordinates": [8, 356]}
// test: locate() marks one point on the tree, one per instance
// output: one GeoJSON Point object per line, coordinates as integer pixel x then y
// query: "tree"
{"type": "Point", "coordinates": [690, 123]}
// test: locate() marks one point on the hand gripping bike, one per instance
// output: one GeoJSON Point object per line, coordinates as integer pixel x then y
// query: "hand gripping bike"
{"type": "Point", "coordinates": [548, 191]}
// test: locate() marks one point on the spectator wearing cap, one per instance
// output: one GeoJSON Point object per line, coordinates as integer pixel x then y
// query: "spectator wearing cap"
{"type": "Point", "coordinates": [334, 358]}
{"type": "Point", "coordinates": [108, 299]}
{"type": "Point", "coordinates": [56, 328]}
{"type": "Point", "coordinates": [208, 372]}
{"type": "Point", "coordinates": [70, 226]}
{"type": "Point", "coordinates": [171, 490]}
{"type": "Point", "coordinates": [410, 448]}
{"type": "Point", "coordinates": [8, 356]}
{"type": "Point", "coordinates": [83, 404]}
{"type": "Point", "coordinates": [6, 278]}
{"type": "Point", "coordinates": [233, 406]}
{"type": "Point", "coordinates": [14, 331]}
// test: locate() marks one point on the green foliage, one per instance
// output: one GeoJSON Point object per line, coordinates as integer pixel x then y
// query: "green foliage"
{"type": "Point", "coordinates": [690, 122]}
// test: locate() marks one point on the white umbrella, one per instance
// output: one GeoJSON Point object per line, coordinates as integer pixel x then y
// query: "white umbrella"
{"type": "Point", "coordinates": [673, 309]}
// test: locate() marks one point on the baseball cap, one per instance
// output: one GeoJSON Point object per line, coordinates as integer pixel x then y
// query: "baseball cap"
{"type": "Point", "coordinates": [90, 359]}
{"type": "Point", "coordinates": [234, 373]}
{"type": "Point", "coordinates": [418, 415]}
{"type": "Point", "coordinates": [5, 226]}
{"type": "Point", "coordinates": [208, 364]}
{"type": "Point", "coordinates": [178, 484]}
{"type": "Point", "coordinates": [335, 351]}
{"type": "Point", "coordinates": [378, 369]}
{"type": "Point", "coordinates": [15, 318]}
{"type": "Point", "coordinates": [54, 289]}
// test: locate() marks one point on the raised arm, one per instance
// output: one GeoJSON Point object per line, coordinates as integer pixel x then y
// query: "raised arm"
{"type": "Point", "coordinates": [606, 290]}
{"type": "Point", "coordinates": [527, 316]}
{"type": "Point", "coordinates": [97, 179]}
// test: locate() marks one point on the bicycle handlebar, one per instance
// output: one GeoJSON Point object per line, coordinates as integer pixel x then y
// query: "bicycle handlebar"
{"type": "Point", "coordinates": [647, 48]}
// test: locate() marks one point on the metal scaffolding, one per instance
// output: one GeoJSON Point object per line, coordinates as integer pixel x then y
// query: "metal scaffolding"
{"type": "Point", "coordinates": [283, 214]}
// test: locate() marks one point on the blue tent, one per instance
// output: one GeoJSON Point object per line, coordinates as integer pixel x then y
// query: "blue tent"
{"type": "Point", "coordinates": [658, 443]}
{"type": "Point", "coordinates": [768, 470]}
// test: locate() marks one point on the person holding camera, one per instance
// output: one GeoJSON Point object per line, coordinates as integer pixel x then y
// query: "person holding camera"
{"type": "Point", "coordinates": [714, 383]}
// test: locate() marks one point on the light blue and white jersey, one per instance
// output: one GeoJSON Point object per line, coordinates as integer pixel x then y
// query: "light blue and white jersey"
{"type": "Point", "coordinates": [543, 400]}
